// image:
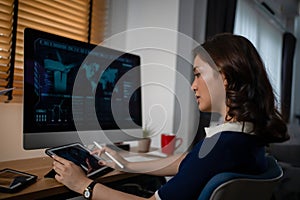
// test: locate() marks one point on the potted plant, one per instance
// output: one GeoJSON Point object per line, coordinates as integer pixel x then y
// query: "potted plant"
{"type": "Point", "coordinates": [145, 142]}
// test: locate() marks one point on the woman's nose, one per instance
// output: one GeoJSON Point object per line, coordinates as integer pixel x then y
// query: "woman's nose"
{"type": "Point", "coordinates": [193, 86]}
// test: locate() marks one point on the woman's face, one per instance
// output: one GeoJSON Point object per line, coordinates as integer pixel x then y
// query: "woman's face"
{"type": "Point", "coordinates": [208, 86]}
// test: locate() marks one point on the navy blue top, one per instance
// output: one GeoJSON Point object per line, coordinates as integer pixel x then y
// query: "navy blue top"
{"type": "Point", "coordinates": [232, 152]}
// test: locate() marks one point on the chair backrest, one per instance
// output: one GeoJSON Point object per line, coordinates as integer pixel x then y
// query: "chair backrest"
{"type": "Point", "coordinates": [236, 186]}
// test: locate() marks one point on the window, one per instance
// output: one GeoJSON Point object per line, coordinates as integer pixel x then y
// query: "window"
{"type": "Point", "coordinates": [265, 36]}
{"type": "Point", "coordinates": [72, 19]}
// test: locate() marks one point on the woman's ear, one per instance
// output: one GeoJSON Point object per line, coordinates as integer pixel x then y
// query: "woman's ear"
{"type": "Point", "coordinates": [224, 80]}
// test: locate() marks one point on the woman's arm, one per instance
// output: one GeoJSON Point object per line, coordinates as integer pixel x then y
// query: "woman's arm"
{"type": "Point", "coordinates": [160, 167]}
{"type": "Point", "coordinates": [74, 178]}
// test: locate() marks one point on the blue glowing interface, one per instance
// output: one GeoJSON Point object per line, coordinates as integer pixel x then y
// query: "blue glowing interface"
{"type": "Point", "coordinates": [66, 81]}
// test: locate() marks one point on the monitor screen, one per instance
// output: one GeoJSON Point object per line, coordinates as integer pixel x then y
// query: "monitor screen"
{"type": "Point", "coordinates": [78, 92]}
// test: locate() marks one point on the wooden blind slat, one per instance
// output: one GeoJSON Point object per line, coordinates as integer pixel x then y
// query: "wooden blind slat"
{"type": "Point", "coordinates": [3, 83]}
{"type": "Point", "coordinates": [77, 5]}
{"type": "Point", "coordinates": [6, 9]}
{"type": "Point", "coordinates": [6, 3]}
{"type": "Point", "coordinates": [20, 49]}
{"type": "Point", "coordinates": [4, 54]}
{"type": "Point", "coordinates": [19, 64]}
{"type": "Point", "coordinates": [30, 22]}
{"type": "Point", "coordinates": [52, 30]}
{"type": "Point", "coordinates": [3, 75]}
{"type": "Point", "coordinates": [18, 71]}
{"type": "Point", "coordinates": [5, 24]}
{"type": "Point", "coordinates": [18, 85]}
{"type": "Point", "coordinates": [5, 61]}
{"type": "Point", "coordinates": [18, 77]}
{"type": "Point", "coordinates": [18, 92]}
{"type": "Point", "coordinates": [47, 13]}
{"type": "Point", "coordinates": [4, 17]}
{"type": "Point", "coordinates": [68, 14]}
{"type": "Point", "coordinates": [78, 2]}
{"type": "Point", "coordinates": [19, 57]}
{"type": "Point", "coordinates": [5, 46]}
{"type": "Point", "coordinates": [47, 29]}
{"type": "Point", "coordinates": [4, 65]}
{"type": "Point", "coordinates": [59, 6]}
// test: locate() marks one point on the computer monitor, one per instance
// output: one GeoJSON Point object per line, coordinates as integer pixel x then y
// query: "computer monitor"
{"type": "Point", "coordinates": [78, 92]}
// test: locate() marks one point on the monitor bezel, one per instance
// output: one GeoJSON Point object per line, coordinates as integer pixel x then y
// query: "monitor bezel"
{"type": "Point", "coordinates": [40, 140]}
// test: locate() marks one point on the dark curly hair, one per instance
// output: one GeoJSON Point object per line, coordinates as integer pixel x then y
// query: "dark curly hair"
{"type": "Point", "coordinates": [249, 94]}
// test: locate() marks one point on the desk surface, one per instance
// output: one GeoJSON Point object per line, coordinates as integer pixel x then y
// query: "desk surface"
{"type": "Point", "coordinates": [45, 186]}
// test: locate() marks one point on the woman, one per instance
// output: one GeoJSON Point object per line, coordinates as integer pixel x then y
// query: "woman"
{"type": "Point", "coordinates": [230, 79]}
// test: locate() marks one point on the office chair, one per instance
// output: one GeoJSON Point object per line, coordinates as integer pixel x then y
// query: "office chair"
{"type": "Point", "coordinates": [236, 186]}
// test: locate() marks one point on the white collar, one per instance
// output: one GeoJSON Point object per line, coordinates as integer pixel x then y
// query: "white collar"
{"type": "Point", "coordinates": [245, 127]}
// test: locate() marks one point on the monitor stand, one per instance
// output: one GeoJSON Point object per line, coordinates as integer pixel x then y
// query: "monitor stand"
{"type": "Point", "coordinates": [119, 146]}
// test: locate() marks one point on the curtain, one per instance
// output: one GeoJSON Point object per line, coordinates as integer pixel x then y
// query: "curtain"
{"type": "Point", "coordinates": [288, 50]}
{"type": "Point", "coordinates": [220, 16]}
{"type": "Point", "coordinates": [266, 37]}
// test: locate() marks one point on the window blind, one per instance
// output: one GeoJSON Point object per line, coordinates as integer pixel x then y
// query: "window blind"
{"type": "Point", "coordinates": [99, 21]}
{"type": "Point", "coordinates": [6, 24]}
{"type": "Point", "coordinates": [66, 18]}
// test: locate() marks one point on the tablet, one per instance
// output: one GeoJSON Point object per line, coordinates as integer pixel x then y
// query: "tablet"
{"type": "Point", "coordinates": [80, 155]}
{"type": "Point", "coordinates": [13, 180]}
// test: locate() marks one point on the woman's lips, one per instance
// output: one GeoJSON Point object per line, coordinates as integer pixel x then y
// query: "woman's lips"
{"type": "Point", "coordinates": [198, 98]}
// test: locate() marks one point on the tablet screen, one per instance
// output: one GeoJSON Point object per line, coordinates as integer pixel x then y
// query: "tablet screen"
{"type": "Point", "coordinates": [79, 155]}
{"type": "Point", "coordinates": [8, 179]}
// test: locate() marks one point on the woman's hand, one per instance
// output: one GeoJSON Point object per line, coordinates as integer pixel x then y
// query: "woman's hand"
{"type": "Point", "coordinates": [101, 152]}
{"type": "Point", "coordinates": [70, 174]}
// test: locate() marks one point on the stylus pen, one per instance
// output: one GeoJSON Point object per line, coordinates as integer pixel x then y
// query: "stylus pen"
{"type": "Point", "coordinates": [109, 155]}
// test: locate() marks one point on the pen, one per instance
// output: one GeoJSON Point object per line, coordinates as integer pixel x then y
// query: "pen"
{"type": "Point", "coordinates": [109, 155]}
